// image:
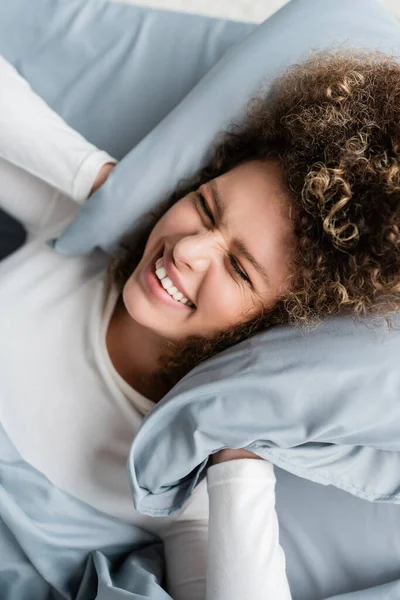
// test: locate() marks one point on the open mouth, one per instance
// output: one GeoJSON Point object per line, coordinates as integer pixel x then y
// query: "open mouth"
{"type": "Point", "coordinates": [168, 285]}
{"type": "Point", "coordinates": [160, 282]}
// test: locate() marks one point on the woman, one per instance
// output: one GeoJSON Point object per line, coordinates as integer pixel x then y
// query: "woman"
{"type": "Point", "coordinates": [323, 148]}
{"type": "Point", "coordinates": [295, 217]}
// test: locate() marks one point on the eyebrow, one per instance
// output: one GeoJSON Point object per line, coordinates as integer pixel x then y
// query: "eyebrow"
{"type": "Point", "coordinates": [240, 244]}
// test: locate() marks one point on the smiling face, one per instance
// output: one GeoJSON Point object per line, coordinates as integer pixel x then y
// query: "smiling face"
{"type": "Point", "coordinates": [225, 248]}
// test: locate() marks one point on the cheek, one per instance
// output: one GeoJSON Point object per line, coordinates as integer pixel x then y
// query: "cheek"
{"type": "Point", "coordinates": [223, 301]}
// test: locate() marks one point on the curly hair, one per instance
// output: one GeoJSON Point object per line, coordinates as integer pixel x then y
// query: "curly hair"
{"type": "Point", "coordinates": [332, 123]}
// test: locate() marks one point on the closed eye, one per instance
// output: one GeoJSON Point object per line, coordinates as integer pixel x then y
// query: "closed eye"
{"type": "Point", "coordinates": [201, 201]}
{"type": "Point", "coordinates": [238, 270]}
{"type": "Point", "coordinates": [205, 208]}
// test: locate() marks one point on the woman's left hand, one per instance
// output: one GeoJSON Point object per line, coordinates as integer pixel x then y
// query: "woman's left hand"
{"type": "Point", "coordinates": [231, 454]}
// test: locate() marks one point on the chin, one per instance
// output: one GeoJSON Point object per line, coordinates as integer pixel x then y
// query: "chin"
{"type": "Point", "coordinates": [139, 308]}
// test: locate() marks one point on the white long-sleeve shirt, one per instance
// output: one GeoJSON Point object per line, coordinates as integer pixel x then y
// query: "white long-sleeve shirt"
{"type": "Point", "coordinates": [63, 404]}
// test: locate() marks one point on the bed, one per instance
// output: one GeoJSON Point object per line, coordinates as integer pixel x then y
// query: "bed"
{"type": "Point", "coordinates": [97, 64]}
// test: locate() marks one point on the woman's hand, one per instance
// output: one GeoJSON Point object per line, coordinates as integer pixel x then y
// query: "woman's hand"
{"type": "Point", "coordinates": [231, 454]}
{"type": "Point", "coordinates": [101, 177]}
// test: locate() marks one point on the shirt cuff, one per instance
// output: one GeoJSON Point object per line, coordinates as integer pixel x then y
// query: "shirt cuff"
{"type": "Point", "coordinates": [87, 173]}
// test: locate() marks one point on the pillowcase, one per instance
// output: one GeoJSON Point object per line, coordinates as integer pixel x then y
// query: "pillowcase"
{"type": "Point", "coordinates": [112, 70]}
{"type": "Point", "coordinates": [322, 405]}
{"type": "Point", "coordinates": [179, 145]}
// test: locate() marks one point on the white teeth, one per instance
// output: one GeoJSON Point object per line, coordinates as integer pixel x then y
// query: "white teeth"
{"type": "Point", "coordinates": [167, 284]}
{"type": "Point", "coordinates": [161, 272]}
{"type": "Point", "coordinates": [172, 291]}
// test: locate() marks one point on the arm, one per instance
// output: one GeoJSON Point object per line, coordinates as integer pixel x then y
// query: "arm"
{"type": "Point", "coordinates": [245, 559]}
{"type": "Point", "coordinates": [234, 553]}
{"type": "Point", "coordinates": [40, 154]}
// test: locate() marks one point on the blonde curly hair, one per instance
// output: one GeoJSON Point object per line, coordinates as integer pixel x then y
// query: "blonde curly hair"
{"type": "Point", "coordinates": [333, 124]}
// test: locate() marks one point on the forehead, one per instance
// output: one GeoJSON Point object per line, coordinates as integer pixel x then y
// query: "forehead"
{"type": "Point", "coordinates": [257, 212]}
{"type": "Point", "coordinates": [255, 183]}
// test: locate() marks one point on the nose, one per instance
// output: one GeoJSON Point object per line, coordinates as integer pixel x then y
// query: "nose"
{"type": "Point", "coordinates": [196, 251]}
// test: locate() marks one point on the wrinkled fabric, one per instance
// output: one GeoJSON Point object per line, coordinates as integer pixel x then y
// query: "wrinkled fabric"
{"type": "Point", "coordinates": [343, 435]}
{"type": "Point", "coordinates": [56, 547]}
{"type": "Point", "coordinates": [150, 173]}
{"type": "Point", "coordinates": [99, 64]}
{"type": "Point", "coordinates": [322, 405]}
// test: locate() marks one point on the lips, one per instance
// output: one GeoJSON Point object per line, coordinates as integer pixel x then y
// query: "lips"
{"type": "Point", "coordinates": [156, 291]}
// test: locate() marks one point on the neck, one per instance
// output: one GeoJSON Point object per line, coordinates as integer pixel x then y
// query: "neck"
{"type": "Point", "coordinates": [135, 352]}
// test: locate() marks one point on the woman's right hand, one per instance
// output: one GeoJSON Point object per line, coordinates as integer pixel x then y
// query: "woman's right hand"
{"type": "Point", "coordinates": [102, 176]}
{"type": "Point", "coordinates": [231, 454]}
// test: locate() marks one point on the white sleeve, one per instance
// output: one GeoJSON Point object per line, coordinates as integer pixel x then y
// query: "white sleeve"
{"type": "Point", "coordinates": [185, 548]}
{"type": "Point", "coordinates": [234, 552]}
{"type": "Point", "coordinates": [185, 551]}
{"type": "Point", "coordinates": [245, 559]}
{"type": "Point", "coordinates": [36, 140]}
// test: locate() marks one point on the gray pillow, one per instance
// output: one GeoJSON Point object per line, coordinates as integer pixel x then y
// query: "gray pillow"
{"type": "Point", "coordinates": [322, 405]}
{"type": "Point", "coordinates": [113, 71]}
{"type": "Point", "coordinates": [150, 172]}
